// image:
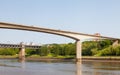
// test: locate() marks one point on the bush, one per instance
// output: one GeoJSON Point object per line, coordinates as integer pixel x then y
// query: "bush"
{"type": "Point", "coordinates": [110, 51]}
{"type": "Point", "coordinates": [8, 51]}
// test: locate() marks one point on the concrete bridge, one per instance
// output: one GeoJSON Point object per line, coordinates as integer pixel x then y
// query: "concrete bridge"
{"type": "Point", "coordinates": [73, 35]}
{"type": "Point", "coordinates": [21, 47]}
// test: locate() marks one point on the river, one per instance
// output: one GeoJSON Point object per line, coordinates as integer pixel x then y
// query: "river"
{"type": "Point", "coordinates": [13, 67]}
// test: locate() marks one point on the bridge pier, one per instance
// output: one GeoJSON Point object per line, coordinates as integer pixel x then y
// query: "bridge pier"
{"type": "Point", "coordinates": [78, 51]}
{"type": "Point", "coordinates": [22, 53]}
{"type": "Point", "coordinates": [115, 43]}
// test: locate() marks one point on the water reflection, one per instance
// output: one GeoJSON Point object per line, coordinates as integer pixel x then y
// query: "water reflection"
{"type": "Point", "coordinates": [13, 67]}
{"type": "Point", "coordinates": [78, 68]}
{"type": "Point", "coordinates": [23, 64]}
{"type": "Point", "coordinates": [101, 68]}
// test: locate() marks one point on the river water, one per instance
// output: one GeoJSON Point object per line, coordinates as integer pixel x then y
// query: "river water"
{"type": "Point", "coordinates": [13, 67]}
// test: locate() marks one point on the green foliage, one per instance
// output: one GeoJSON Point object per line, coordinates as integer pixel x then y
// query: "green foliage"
{"type": "Point", "coordinates": [55, 49]}
{"type": "Point", "coordinates": [72, 49]}
{"type": "Point", "coordinates": [94, 51]}
{"type": "Point", "coordinates": [58, 50]}
{"type": "Point", "coordinates": [105, 43]}
{"type": "Point", "coordinates": [89, 48]}
{"type": "Point", "coordinates": [110, 51]}
{"type": "Point", "coordinates": [69, 49]}
{"type": "Point", "coordinates": [99, 48]}
{"type": "Point", "coordinates": [31, 52]}
{"type": "Point", "coordinates": [117, 50]}
{"type": "Point", "coordinates": [8, 51]}
{"type": "Point", "coordinates": [44, 51]}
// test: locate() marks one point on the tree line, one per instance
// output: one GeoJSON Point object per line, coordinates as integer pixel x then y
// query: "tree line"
{"type": "Point", "coordinates": [89, 48]}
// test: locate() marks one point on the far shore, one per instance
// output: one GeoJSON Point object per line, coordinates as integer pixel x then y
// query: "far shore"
{"type": "Point", "coordinates": [84, 58]}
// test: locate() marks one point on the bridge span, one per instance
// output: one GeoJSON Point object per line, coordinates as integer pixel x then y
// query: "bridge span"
{"type": "Point", "coordinates": [73, 35]}
{"type": "Point", "coordinates": [2, 45]}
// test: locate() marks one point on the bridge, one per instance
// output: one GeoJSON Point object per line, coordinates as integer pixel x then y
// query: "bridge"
{"type": "Point", "coordinates": [73, 35]}
{"type": "Point", "coordinates": [2, 45]}
{"type": "Point", "coordinates": [21, 47]}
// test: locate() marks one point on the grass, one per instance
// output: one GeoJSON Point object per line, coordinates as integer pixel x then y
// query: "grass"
{"type": "Point", "coordinates": [50, 56]}
{"type": "Point", "coordinates": [63, 57]}
{"type": "Point", "coordinates": [102, 57]}
{"type": "Point", "coordinates": [8, 56]}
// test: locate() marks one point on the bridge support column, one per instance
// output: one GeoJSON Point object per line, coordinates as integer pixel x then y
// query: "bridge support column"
{"type": "Point", "coordinates": [22, 53]}
{"type": "Point", "coordinates": [115, 43]}
{"type": "Point", "coordinates": [78, 51]}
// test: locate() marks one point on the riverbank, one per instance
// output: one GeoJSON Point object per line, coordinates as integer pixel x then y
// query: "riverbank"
{"type": "Point", "coordinates": [101, 58]}
{"type": "Point", "coordinates": [8, 56]}
{"type": "Point", "coordinates": [63, 58]}
{"type": "Point", "coordinates": [84, 58]}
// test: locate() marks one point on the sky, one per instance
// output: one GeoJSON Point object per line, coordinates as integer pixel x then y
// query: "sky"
{"type": "Point", "coordinates": [84, 16]}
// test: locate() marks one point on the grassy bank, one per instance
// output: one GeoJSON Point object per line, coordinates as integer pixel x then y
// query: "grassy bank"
{"type": "Point", "coordinates": [73, 57]}
{"type": "Point", "coordinates": [8, 56]}
{"type": "Point", "coordinates": [37, 57]}
{"type": "Point", "coordinates": [49, 56]}
{"type": "Point", "coordinates": [101, 57]}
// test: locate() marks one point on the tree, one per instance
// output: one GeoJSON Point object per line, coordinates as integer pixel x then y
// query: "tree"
{"type": "Point", "coordinates": [55, 49]}
{"type": "Point", "coordinates": [43, 51]}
